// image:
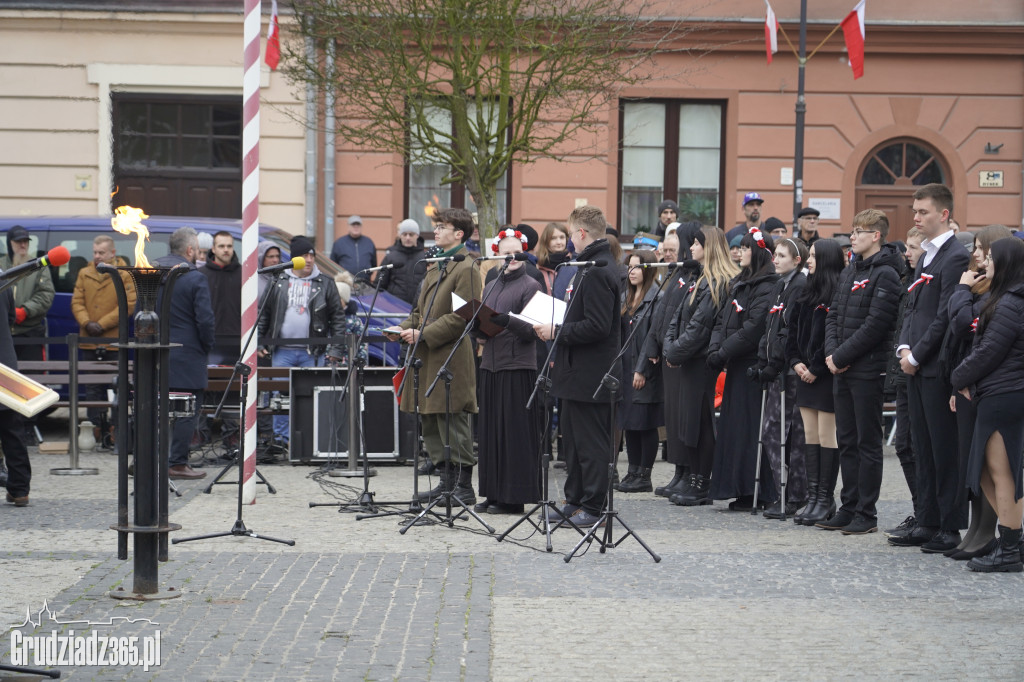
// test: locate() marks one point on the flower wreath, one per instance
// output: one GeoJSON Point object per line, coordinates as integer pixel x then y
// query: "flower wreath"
{"type": "Point", "coordinates": [755, 232]}
{"type": "Point", "coordinates": [505, 234]}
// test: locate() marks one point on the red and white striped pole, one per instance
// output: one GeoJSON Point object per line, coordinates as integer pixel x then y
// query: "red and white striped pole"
{"type": "Point", "coordinates": [250, 231]}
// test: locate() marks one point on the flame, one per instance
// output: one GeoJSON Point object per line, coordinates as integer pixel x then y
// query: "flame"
{"type": "Point", "coordinates": [431, 208]}
{"type": "Point", "coordinates": [127, 220]}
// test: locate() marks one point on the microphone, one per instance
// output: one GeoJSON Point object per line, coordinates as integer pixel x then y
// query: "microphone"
{"type": "Point", "coordinates": [508, 258]}
{"type": "Point", "coordinates": [389, 266]}
{"type": "Point", "coordinates": [458, 258]}
{"type": "Point", "coordinates": [660, 265]}
{"type": "Point", "coordinates": [57, 256]}
{"type": "Point", "coordinates": [583, 263]}
{"type": "Point", "coordinates": [298, 263]}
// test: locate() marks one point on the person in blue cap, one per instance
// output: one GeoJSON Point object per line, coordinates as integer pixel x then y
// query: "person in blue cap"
{"type": "Point", "coordinates": [752, 203]}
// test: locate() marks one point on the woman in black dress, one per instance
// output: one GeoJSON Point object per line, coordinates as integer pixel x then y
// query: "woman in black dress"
{"type": "Point", "coordinates": [805, 353]}
{"type": "Point", "coordinates": [509, 471]}
{"type": "Point", "coordinates": [993, 376]}
{"type": "Point", "coordinates": [685, 352]}
{"type": "Point", "coordinates": [734, 342]}
{"type": "Point", "coordinates": [640, 410]}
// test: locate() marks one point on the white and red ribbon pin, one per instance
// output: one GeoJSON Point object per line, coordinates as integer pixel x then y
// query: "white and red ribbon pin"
{"type": "Point", "coordinates": [822, 306]}
{"type": "Point", "coordinates": [974, 326]}
{"type": "Point", "coordinates": [736, 303]}
{"type": "Point", "coordinates": [859, 285]}
{"type": "Point", "coordinates": [923, 278]}
{"type": "Point", "coordinates": [777, 308]}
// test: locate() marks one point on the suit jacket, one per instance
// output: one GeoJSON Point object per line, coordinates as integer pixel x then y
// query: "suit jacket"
{"type": "Point", "coordinates": [590, 332]}
{"type": "Point", "coordinates": [927, 315]}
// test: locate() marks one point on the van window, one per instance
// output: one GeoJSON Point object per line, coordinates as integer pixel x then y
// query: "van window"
{"type": "Point", "coordinates": [79, 244]}
{"type": "Point", "coordinates": [33, 246]}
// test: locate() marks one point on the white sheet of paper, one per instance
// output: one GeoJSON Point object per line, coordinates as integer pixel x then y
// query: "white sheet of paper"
{"type": "Point", "coordinates": [542, 309]}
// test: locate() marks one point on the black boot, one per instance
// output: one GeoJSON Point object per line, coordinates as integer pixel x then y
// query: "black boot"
{"type": "Point", "coordinates": [631, 473]}
{"type": "Point", "coordinates": [812, 457]}
{"type": "Point", "coordinates": [697, 495]}
{"type": "Point", "coordinates": [641, 483]}
{"type": "Point", "coordinates": [426, 467]}
{"type": "Point", "coordinates": [828, 477]}
{"type": "Point", "coordinates": [445, 482]}
{"type": "Point", "coordinates": [677, 477]}
{"type": "Point", "coordinates": [463, 488]}
{"type": "Point", "coordinates": [1005, 558]}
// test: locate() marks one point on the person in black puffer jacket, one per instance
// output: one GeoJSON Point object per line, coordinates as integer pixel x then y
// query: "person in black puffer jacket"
{"type": "Point", "coordinates": [858, 340]}
{"type": "Point", "coordinates": [772, 370]}
{"type": "Point", "coordinates": [404, 279]}
{"type": "Point", "coordinates": [993, 376]}
{"type": "Point", "coordinates": [738, 331]}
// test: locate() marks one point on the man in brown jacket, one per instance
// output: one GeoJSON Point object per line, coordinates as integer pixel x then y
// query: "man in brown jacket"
{"type": "Point", "coordinates": [452, 227]}
{"type": "Point", "coordinates": [94, 305]}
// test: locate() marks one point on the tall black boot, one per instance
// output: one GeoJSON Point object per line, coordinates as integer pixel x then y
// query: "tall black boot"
{"type": "Point", "coordinates": [445, 483]}
{"type": "Point", "coordinates": [640, 484]}
{"type": "Point", "coordinates": [1005, 558]}
{"type": "Point", "coordinates": [828, 477]}
{"type": "Point", "coordinates": [631, 472]}
{"type": "Point", "coordinates": [463, 486]}
{"type": "Point", "coordinates": [679, 475]}
{"type": "Point", "coordinates": [697, 494]}
{"type": "Point", "coordinates": [812, 457]}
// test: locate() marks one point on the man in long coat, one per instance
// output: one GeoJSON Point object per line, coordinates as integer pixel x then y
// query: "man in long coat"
{"type": "Point", "coordinates": [441, 329]}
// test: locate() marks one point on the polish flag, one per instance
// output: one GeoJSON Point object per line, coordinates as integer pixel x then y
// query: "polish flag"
{"type": "Point", "coordinates": [771, 32]}
{"type": "Point", "coordinates": [273, 55]}
{"type": "Point", "coordinates": [853, 33]}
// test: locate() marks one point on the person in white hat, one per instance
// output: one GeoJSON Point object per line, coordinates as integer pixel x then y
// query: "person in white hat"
{"type": "Point", "coordinates": [404, 279]}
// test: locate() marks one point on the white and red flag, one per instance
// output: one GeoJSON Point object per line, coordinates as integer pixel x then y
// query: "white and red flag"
{"type": "Point", "coordinates": [273, 55]}
{"type": "Point", "coordinates": [771, 32]}
{"type": "Point", "coordinates": [853, 33]}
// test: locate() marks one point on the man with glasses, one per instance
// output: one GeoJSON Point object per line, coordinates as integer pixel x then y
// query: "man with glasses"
{"type": "Point", "coordinates": [442, 327]}
{"type": "Point", "coordinates": [807, 225]}
{"type": "Point", "coordinates": [933, 430]}
{"type": "Point", "coordinates": [858, 339]}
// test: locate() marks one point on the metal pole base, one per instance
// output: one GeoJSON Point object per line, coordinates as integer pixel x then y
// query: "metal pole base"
{"type": "Point", "coordinates": [606, 541]}
{"type": "Point", "coordinates": [121, 593]}
{"type": "Point", "coordinates": [76, 471]}
{"type": "Point", "coordinates": [350, 473]}
{"type": "Point", "coordinates": [545, 525]}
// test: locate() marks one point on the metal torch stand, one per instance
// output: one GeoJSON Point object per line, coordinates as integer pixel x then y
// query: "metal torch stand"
{"type": "Point", "coordinates": [151, 433]}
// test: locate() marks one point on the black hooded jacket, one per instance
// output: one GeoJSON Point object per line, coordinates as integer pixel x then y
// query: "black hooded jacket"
{"type": "Point", "coordinates": [404, 280]}
{"type": "Point", "coordinates": [740, 325]}
{"type": "Point", "coordinates": [771, 353]}
{"type": "Point", "coordinates": [996, 362]}
{"type": "Point", "coordinates": [226, 295]}
{"type": "Point", "coordinates": [861, 319]}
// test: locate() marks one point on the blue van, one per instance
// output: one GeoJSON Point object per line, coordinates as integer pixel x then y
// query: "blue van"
{"type": "Point", "coordinates": [77, 232]}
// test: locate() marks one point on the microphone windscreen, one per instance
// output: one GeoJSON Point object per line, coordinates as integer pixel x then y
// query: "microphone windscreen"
{"type": "Point", "coordinates": [298, 263]}
{"type": "Point", "coordinates": [397, 266]}
{"type": "Point", "coordinates": [601, 263]}
{"type": "Point", "coordinates": [458, 258]}
{"type": "Point", "coordinates": [58, 256]}
{"type": "Point", "coordinates": [521, 256]}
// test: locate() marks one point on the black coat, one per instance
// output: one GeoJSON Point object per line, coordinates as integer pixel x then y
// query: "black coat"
{"type": "Point", "coordinates": [927, 316]}
{"type": "Point", "coordinates": [862, 316]}
{"type": "Point", "coordinates": [403, 281]}
{"type": "Point", "coordinates": [225, 284]}
{"type": "Point", "coordinates": [633, 360]}
{"type": "Point", "coordinates": [676, 290]}
{"type": "Point", "coordinates": [741, 323]}
{"type": "Point", "coordinates": [771, 352]}
{"type": "Point", "coordinates": [689, 330]}
{"type": "Point", "coordinates": [191, 325]}
{"type": "Point", "coordinates": [514, 347]}
{"type": "Point", "coordinates": [805, 341]}
{"type": "Point", "coordinates": [590, 332]}
{"type": "Point", "coordinates": [996, 362]}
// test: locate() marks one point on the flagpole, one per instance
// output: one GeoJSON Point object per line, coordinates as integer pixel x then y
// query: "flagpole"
{"type": "Point", "coordinates": [801, 109]}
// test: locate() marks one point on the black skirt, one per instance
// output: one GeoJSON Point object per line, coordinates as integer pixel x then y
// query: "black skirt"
{"type": "Point", "coordinates": [738, 426]}
{"type": "Point", "coordinates": [1002, 413]}
{"type": "Point", "coordinates": [695, 390]}
{"type": "Point", "coordinates": [509, 461]}
{"type": "Point", "coordinates": [816, 396]}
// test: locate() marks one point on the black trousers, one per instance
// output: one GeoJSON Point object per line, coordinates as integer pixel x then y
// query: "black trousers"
{"type": "Point", "coordinates": [587, 440]}
{"type": "Point", "coordinates": [901, 441]}
{"type": "Point", "coordinates": [934, 435]}
{"type": "Point", "coordinates": [15, 454]}
{"type": "Point", "coordinates": [859, 432]}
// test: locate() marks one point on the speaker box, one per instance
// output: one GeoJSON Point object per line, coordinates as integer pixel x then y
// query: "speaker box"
{"type": "Point", "coordinates": [319, 416]}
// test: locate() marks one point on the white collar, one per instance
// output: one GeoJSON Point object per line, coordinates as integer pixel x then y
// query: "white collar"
{"type": "Point", "coordinates": [937, 243]}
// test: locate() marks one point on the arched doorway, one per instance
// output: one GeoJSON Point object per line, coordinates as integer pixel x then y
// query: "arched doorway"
{"type": "Point", "coordinates": [888, 176]}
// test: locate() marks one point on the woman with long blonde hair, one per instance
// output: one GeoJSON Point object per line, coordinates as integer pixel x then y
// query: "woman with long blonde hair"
{"type": "Point", "coordinates": [685, 351]}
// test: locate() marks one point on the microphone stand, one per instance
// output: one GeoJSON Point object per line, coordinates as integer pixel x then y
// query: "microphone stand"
{"type": "Point", "coordinates": [414, 505]}
{"type": "Point", "coordinates": [444, 373]}
{"type": "Point", "coordinates": [543, 386]}
{"type": "Point", "coordinates": [609, 515]}
{"type": "Point", "coordinates": [242, 369]}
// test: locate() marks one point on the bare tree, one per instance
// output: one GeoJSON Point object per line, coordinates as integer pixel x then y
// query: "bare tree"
{"type": "Point", "coordinates": [475, 84]}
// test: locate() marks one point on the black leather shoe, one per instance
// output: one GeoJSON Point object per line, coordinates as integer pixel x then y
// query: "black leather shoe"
{"type": "Point", "coordinates": [1005, 558]}
{"type": "Point", "coordinates": [841, 519]}
{"type": "Point", "coordinates": [504, 508]}
{"type": "Point", "coordinates": [861, 525]}
{"type": "Point", "coordinates": [941, 541]}
{"type": "Point", "coordinates": [964, 555]}
{"type": "Point", "coordinates": [483, 507]}
{"type": "Point", "coordinates": [915, 538]}
{"type": "Point", "coordinates": [908, 524]}
{"type": "Point", "coordinates": [567, 511]}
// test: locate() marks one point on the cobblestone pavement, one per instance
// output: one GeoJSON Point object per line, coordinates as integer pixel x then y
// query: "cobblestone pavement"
{"type": "Point", "coordinates": [734, 597]}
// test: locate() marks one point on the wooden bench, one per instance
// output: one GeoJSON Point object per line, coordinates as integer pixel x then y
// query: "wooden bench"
{"type": "Point", "coordinates": [270, 379]}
